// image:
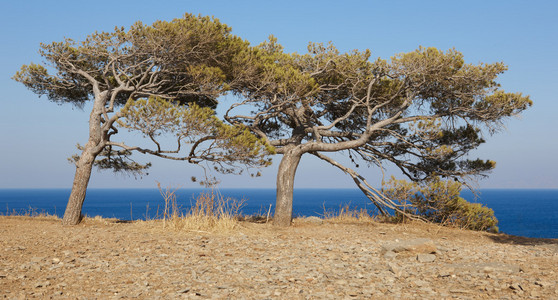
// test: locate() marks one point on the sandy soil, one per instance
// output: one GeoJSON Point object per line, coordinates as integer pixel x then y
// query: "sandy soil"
{"type": "Point", "coordinates": [107, 259]}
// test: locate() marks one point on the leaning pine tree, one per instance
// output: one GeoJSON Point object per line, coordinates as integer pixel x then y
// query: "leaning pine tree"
{"type": "Point", "coordinates": [160, 79]}
{"type": "Point", "coordinates": [422, 111]}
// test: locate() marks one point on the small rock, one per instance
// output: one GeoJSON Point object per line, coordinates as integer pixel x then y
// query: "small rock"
{"type": "Point", "coordinates": [535, 294]}
{"type": "Point", "coordinates": [341, 282]}
{"type": "Point", "coordinates": [488, 269]}
{"type": "Point", "coordinates": [416, 245]}
{"type": "Point", "coordinates": [426, 258]}
{"type": "Point", "coordinates": [42, 284]}
{"type": "Point", "coordinates": [459, 291]}
{"type": "Point", "coordinates": [542, 283]}
{"type": "Point", "coordinates": [394, 269]}
{"type": "Point", "coordinates": [516, 286]}
{"type": "Point", "coordinates": [314, 220]}
{"type": "Point", "coordinates": [390, 255]}
{"type": "Point", "coordinates": [183, 291]}
{"type": "Point", "coordinates": [420, 283]}
{"type": "Point", "coordinates": [36, 259]}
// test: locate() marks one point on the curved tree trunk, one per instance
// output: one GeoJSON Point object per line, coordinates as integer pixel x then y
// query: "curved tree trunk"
{"type": "Point", "coordinates": [285, 186]}
{"type": "Point", "coordinates": [72, 215]}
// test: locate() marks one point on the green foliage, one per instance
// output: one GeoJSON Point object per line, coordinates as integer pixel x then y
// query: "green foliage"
{"type": "Point", "coordinates": [209, 137]}
{"type": "Point", "coordinates": [118, 161]}
{"type": "Point", "coordinates": [440, 202]}
{"type": "Point", "coordinates": [187, 59]}
{"type": "Point", "coordinates": [165, 77]}
{"type": "Point", "coordinates": [424, 110]}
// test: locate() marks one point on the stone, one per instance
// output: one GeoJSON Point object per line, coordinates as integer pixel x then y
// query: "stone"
{"type": "Point", "coordinates": [420, 245]}
{"type": "Point", "coordinates": [394, 269]}
{"type": "Point", "coordinates": [420, 283]}
{"type": "Point", "coordinates": [426, 258]}
{"type": "Point", "coordinates": [459, 291]}
{"type": "Point", "coordinates": [535, 294]}
{"type": "Point", "coordinates": [542, 283]}
{"type": "Point", "coordinates": [390, 255]}
{"type": "Point", "coordinates": [314, 220]}
{"type": "Point", "coordinates": [341, 282]}
{"type": "Point", "coordinates": [42, 284]}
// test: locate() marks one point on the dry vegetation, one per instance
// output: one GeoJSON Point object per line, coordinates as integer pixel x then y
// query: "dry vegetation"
{"type": "Point", "coordinates": [209, 211]}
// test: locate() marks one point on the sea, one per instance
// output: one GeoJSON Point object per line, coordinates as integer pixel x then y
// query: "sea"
{"type": "Point", "coordinates": [521, 212]}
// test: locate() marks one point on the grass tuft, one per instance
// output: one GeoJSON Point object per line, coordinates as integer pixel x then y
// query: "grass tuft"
{"type": "Point", "coordinates": [348, 214]}
{"type": "Point", "coordinates": [210, 211]}
{"type": "Point", "coordinates": [29, 212]}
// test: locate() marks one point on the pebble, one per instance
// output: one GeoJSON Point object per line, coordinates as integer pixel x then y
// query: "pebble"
{"type": "Point", "coordinates": [314, 220]}
{"type": "Point", "coordinates": [426, 258]}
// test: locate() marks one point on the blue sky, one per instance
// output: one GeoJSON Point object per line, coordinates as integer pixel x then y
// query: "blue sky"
{"type": "Point", "coordinates": [37, 136]}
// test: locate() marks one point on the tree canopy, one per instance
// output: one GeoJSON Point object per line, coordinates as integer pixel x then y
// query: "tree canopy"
{"type": "Point", "coordinates": [157, 79]}
{"type": "Point", "coordinates": [422, 111]}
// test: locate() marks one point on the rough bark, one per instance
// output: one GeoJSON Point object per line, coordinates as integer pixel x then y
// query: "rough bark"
{"type": "Point", "coordinates": [84, 166]}
{"type": "Point", "coordinates": [72, 215]}
{"type": "Point", "coordinates": [285, 186]}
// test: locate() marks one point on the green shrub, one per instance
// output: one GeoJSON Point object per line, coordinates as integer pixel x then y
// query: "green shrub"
{"type": "Point", "coordinates": [440, 202]}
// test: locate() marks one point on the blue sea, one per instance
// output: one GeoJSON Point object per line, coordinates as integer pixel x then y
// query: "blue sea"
{"type": "Point", "coordinates": [529, 213]}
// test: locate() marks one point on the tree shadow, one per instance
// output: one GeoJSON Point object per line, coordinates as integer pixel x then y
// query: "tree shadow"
{"type": "Point", "coordinates": [521, 240]}
{"type": "Point", "coordinates": [123, 221]}
{"type": "Point", "coordinates": [255, 219]}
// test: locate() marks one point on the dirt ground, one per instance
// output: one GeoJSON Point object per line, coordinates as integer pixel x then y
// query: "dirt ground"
{"type": "Point", "coordinates": [108, 259]}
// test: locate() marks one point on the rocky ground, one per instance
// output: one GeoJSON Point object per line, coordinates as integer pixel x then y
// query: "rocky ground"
{"type": "Point", "coordinates": [105, 259]}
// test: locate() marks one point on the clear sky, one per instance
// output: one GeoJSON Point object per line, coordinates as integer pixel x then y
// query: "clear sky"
{"type": "Point", "coordinates": [37, 136]}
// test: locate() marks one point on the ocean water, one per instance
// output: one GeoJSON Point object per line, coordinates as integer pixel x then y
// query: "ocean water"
{"type": "Point", "coordinates": [530, 213]}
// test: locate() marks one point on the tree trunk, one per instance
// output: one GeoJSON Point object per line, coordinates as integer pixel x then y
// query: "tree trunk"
{"type": "Point", "coordinates": [285, 186]}
{"type": "Point", "coordinates": [72, 215]}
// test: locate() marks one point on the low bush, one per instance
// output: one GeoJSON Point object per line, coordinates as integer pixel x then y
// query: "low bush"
{"type": "Point", "coordinates": [440, 202]}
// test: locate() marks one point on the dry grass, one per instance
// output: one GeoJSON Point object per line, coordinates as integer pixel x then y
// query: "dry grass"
{"type": "Point", "coordinates": [29, 212]}
{"type": "Point", "coordinates": [347, 214]}
{"type": "Point", "coordinates": [210, 211]}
